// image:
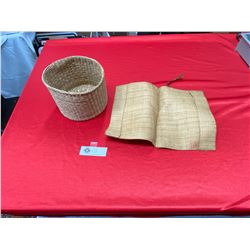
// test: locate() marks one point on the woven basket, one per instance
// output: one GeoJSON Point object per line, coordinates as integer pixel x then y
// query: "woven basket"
{"type": "Point", "coordinates": [77, 85]}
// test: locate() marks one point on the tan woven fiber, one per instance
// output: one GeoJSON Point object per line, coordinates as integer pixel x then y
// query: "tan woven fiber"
{"type": "Point", "coordinates": [78, 87]}
{"type": "Point", "coordinates": [168, 117]}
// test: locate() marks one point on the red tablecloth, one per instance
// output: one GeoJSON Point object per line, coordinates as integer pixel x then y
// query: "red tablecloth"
{"type": "Point", "coordinates": [42, 172]}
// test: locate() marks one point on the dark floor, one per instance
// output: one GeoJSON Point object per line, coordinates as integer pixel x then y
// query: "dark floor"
{"type": "Point", "coordinates": [7, 107]}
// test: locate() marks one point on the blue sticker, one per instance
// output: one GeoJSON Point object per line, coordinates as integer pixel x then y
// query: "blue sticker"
{"type": "Point", "coordinates": [93, 151]}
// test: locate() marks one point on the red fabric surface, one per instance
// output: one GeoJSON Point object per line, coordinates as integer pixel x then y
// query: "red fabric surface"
{"type": "Point", "coordinates": [42, 172]}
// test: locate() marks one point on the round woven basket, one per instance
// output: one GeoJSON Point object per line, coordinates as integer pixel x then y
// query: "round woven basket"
{"type": "Point", "coordinates": [77, 85]}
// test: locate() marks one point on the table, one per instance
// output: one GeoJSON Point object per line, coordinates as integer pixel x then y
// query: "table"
{"type": "Point", "coordinates": [43, 174]}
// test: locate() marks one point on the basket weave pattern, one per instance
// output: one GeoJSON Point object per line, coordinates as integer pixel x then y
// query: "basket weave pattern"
{"type": "Point", "coordinates": [77, 86]}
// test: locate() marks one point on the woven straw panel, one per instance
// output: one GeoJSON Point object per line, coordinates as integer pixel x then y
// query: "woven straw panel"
{"type": "Point", "coordinates": [168, 117]}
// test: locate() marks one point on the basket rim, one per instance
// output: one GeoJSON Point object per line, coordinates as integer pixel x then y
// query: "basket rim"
{"type": "Point", "coordinates": [73, 93]}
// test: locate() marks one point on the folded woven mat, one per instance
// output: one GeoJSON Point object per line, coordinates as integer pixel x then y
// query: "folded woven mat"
{"type": "Point", "coordinates": [167, 117]}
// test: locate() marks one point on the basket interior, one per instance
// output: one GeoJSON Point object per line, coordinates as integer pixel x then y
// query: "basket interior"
{"type": "Point", "coordinates": [73, 74]}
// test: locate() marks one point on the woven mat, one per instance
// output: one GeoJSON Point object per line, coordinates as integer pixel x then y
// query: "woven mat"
{"type": "Point", "coordinates": [167, 117]}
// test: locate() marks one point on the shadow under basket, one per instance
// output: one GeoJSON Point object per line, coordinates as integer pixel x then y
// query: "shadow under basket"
{"type": "Point", "coordinates": [78, 87]}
